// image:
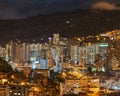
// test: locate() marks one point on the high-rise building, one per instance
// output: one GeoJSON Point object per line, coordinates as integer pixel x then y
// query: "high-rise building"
{"type": "Point", "coordinates": [82, 55]}
{"type": "Point", "coordinates": [21, 53]}
{"type": "Point", "coordinates": [55, 38]}
{"type": "Point", "coordinates": [2, 52]}
{"type": "Point", "coordinates": [91, 53]}
{"type": "Point", "coordinates": [74, 53]}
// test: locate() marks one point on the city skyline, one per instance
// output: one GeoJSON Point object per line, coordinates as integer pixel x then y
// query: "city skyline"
{"type": "Point", "coordinates": [86, 64]}
{"type": "Point", "coordinates": [59, 47]}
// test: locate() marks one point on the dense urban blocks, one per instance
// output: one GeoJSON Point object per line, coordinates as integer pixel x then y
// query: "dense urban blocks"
{"type": "Point", "coordinates": [84, 65]}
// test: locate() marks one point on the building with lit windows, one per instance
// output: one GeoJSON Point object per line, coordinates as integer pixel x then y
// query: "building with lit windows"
{"type": "Point", "coordinates": [74, 53]}
{"type": "Point", "coordinates": [83, 55]}
{"type": "Point", "coordinates": [56, 39]}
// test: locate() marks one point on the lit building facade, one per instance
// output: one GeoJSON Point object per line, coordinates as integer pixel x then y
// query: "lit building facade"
{"type": "Point", "coordinates": [56, 39]}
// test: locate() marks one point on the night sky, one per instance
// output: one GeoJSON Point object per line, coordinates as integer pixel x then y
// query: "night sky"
{"type": "Point", "coordinates": [13, 9]}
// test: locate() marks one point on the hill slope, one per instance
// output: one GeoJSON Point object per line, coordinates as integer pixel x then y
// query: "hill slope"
{"type": "Point", "coordinates": [68, 24]}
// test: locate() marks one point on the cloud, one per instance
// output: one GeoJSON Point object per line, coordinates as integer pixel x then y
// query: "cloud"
{"type": "Point", "coordinates": [13, 9]}
{"type": "Point", "coordinates": [9, 12]}
{"type": "Point", "coordinates": [105, 6]}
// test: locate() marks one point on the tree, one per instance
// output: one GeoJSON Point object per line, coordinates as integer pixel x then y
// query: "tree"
{"type": "Point", "coordinates": [4, 66]}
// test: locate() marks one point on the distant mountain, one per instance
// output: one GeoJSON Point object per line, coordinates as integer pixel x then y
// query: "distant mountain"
{"type": "Point", "coordinates": [68, 24]}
